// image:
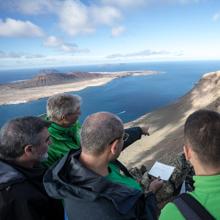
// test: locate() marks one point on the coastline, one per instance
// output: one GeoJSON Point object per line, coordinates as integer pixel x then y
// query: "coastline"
{"type": "Point", "coordinates": [167, 124]}
{"type": "Point", "coordinates": [18, 96]}
{"type": "Point", "coordinates": [10, 95]}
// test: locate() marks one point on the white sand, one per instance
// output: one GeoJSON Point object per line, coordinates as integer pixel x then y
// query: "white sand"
{"type": "Point", "coordinates": [16, 96]}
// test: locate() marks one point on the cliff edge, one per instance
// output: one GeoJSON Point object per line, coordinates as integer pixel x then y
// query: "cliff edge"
{"type": "Point", "coordinates": [166, 124]}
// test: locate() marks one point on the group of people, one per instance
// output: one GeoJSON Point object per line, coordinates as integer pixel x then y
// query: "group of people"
{"type": "Point", "coordinates": [54, 168]}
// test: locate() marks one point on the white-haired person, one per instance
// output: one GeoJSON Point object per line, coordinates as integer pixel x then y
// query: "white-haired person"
{"type": "Point", "coordinates": [63, 111]}
{"type": "Point", "coordinates": [93, 184]}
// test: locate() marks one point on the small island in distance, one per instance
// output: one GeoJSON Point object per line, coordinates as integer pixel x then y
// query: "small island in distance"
{"type": "Point", "coordinates": [50, 82]}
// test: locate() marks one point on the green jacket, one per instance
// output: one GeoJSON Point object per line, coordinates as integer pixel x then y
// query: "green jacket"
{"type": "Point", "coordinates": [62, 141]}
{"type": "Point", "coordinates": [207, 192]}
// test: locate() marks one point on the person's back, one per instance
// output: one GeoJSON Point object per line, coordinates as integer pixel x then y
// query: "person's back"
{"type": "Point", "coordinates": [22, 195]}
{"type": "Point", "coordinates": [87, 195]}
{"type": "Point", "coordinates": [63, 111]}
{"type": "Point", "coordinates": [92, 183]}
{"type": "Point", "coordinates": [23, 143]}
{"type": "Point", "coordinates": [202, 149]}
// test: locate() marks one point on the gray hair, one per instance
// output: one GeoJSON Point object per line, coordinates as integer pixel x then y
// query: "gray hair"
{"type": "Point", "coordinates": [61, 105]}
{"type": "Point", "coordinates": [18, 133]}
{"type": "Point", "coordinates": [99, 130]}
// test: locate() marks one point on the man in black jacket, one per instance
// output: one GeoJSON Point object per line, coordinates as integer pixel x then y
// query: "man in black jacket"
{"type": "Point", "coordinates": [63, 110]}
{"type": "Point", "coordinates": [92, 183]}
{"type": "Point", "coordinates": [23, 144]}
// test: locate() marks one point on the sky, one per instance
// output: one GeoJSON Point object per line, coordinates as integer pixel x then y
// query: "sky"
{"type": "Point", "coordinates": [50, 33]}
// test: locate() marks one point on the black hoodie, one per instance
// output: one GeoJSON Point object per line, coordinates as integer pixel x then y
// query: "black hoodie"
{"type": "Point", "coordinates": [22, 195]}
{"type": "Point", "coordinates": [89, 196]}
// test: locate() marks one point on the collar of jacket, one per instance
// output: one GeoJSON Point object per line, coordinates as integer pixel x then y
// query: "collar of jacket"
{"type": "Point", "coordinates": [61, 133]}
{"type": "Point", "coordinates": [9, 175]}
{"type": "Point", "coordinates": [12, 173]}
{"type": "Point", "coordinates": [70, 179]}
{"type": "Point", "coordinates": [207, 184]}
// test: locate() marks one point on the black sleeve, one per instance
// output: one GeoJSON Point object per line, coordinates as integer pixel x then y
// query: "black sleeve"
{"type": "Point", "coordinates": [15, 209]}
{"type": "Point", "coordinates": [20, 203]}
{"type": "Point", "coordinates": [134, 135]}
{"type": "Point", "coordinates": [151, 209]}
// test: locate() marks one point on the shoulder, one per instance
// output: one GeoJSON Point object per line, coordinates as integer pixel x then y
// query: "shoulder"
{"type": "Point", "coordinates": [170, 211]}
{"type": "Point", "coordinates": [19, 192]}
{"type": "Point", "coordinates": [77, 125]}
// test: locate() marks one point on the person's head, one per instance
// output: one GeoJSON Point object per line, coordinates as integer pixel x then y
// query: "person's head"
{"type": "Point", "coordinates": [202, 138]}
{"type": "Point", "coordinates": [24, 139]}
{"type": "Point", "coordinates": [64, 109]}
{"type": "Point", "coordinates": [102, 132]}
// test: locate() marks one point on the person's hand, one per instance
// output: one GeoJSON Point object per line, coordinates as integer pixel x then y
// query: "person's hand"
{"type": "Point", "coordinates": [155, 185]}
{"type": "Point", "coordinates": [145, 129]}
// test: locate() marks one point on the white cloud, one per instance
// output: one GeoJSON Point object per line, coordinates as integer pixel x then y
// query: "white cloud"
{"type": "Point", "coordinates": [142, 53]}
{"type": "Point", "coordinates": [74, 18]}
{"type": "Point", "coordinates": [18, 55]}
{"type": "Point", "coordinates": [34, 7]}
{"type": "Point", "coordinates": [4, 55]}
{"type": "Point", "coordinates": [78, 18]}
{"type": "Point", "coordinates": [58, 44]}
{"type": "Point", "coordinates": [186, 1]}
{"type": "Point", "coordinates": [68, 48]}
{"type": "Point", "coordinates": [216, 17]}
{"type": "Point", "coordinates": [34, 56]}
{"type": "Point", "coordinates": [167, 2]}
{"type": "Point", "coordinates": [125, 3]}
{"type": "Point", "coordinates": [106, 15]}
{"type": "Point", "coordinates": [133, 4]}
{"type": "Point", "coordinates": [116, 31]}
{"type": "Point", "coordinates": [84, 17]}
{"type": "Point", "coordinates": [30, 7]}
{"type": "Point", "coordinates": [52, 41]}
{"type": "Point", "coordinates": [18, 28]}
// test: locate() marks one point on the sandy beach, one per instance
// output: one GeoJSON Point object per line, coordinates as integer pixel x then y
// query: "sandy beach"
{"type": "Point", "coordinates": [16, 96]}
{"type": "Point", "coordinates": [9, 95]}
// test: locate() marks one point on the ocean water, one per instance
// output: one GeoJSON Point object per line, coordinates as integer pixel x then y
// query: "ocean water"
{"type": "Point", "coordinates": [129, 97]}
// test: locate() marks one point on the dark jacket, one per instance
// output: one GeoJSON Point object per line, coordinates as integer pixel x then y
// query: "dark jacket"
{"type": "Point", "coordinates": [22, 195]}
{"type": "Point", "coordinates": [135, 134]}
{"type": "Point", "coordinates": [89, 196]}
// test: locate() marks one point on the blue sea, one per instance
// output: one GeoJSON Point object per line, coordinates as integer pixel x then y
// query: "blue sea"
{"type": "Point", "coordinates": [129, 97]}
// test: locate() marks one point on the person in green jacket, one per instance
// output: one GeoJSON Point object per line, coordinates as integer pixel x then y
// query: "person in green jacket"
{"type": "Point", "coordinates": [63, 111]}
{"type": "Point", "coordinates": [202, 149]}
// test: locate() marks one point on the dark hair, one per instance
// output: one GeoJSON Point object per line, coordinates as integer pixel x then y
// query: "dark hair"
{"type": "Point", "coordinates": [99, 130]}
{"type": "Point", "coordinates": [18, 133]}
{"type": "Point", "coordinates": [202, 133]}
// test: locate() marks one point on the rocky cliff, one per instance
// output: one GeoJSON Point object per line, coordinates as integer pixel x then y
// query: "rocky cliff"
{"type": "Point", "coordinates": [166, 124]}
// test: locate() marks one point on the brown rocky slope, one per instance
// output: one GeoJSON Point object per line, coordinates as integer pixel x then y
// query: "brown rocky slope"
{"type": "Point", "coordinates": [166, 124]}
{"type": "Point", "coordinates": [53, 77]}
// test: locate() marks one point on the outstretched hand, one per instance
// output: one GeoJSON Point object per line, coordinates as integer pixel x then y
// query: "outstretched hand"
{"type": "Point", "coordinates": [145, 129]}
